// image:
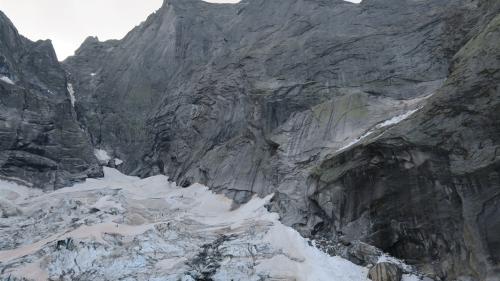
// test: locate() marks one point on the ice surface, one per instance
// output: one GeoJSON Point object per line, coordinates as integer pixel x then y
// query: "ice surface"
{"type": "Point", "coordinates": [7, 80]}
{"type": "Point", "coordinates": [397, 119]}
{"type": "Point", "coordinates": [390, 122]}
{"type": "Point", "coordinates": [126, 228]}
{"type": "Point", "coordinates": [71, 92]}
{"type": "Point", "coordinates": [102, 155]}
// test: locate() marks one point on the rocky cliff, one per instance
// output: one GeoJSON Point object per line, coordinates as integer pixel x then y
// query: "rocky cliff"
{"type": "Point", "coordinates": [428, 188]}
{"type": "Point", "coordinates": [374, 122]}
{"type": "Point", "coordinates": [41, 144]}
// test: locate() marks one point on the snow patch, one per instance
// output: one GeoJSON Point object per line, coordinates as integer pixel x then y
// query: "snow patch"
{"type": "Point", "coordinates": [7, 80]}
{"type": "Point", "coordinates": [390, 122]}
{"type": "Point", "coordinates": [397, 119]}
{"type": "Point", "coordinates": [71, 92]}
{"type": "Point", "coordinates": [102, 155]}
{"type": "Point", "coordinates": [358, 139]}
{"type": "Point", "coordinates": [118, 162]}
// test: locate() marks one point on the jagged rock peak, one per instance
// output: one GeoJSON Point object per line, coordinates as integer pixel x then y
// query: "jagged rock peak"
{"type": "Point", "coordinates": [192, 3]}
{"type": "Point", "coordinates": [8, 32]}
{"type": "Point", "coordinates": [91, 40]}
{"type": "Point", "coordinates": [195, 7]}
{"type": "Point", "coordinates": [41, 143]}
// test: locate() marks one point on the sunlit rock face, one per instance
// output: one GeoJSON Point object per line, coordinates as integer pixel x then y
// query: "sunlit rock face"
{"type": "Point", "coordinates": [372, 121]}
{"type": "Point", "coordinates": [41, 143]}
{"type": "Point", "coordinates": [126, 228]}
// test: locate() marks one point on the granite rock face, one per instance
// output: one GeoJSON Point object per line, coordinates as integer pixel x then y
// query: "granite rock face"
{"type": "Point", "coordinates": [427, 189]}
{"type": "Point", "coordinates": [41, 144]}
{"type": "Point", "coordinates": [375, 122]}
{"type": "Point", "coordinates": [197, 81]}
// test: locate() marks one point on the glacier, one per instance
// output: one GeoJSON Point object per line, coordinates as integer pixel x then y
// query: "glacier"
{"type": "Point", "coordinates": [7, 80]}
{"type": "Point", "coordinates": [126, 228]}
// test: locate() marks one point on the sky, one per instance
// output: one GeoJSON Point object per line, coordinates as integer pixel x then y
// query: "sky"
{"type": "Point", "coordinates": [68, 22]}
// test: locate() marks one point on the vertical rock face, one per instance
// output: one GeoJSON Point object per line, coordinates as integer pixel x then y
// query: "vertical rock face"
{"type": "Point", "coordinates": [249, 95]}
{"type": "Point", "coordinates": [428, 188]}
{"type": "Point", "coordinates": [374, 122]}
{"type": "Point", "coordinates": [120, 84]}
{"type": "Point", "coordinates": [41, 144]}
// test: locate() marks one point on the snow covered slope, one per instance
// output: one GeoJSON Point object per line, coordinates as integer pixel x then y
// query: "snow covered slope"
{"type": "Point", "coordinates": [126, 228]}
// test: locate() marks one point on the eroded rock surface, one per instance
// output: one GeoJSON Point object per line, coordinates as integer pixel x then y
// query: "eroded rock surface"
{"type": "Point", "coordinates": [283, 96]}
{"type": "Point", "coordinates": [385, 271]}
{"type": "Point", "coordinates": [373, 122]}
{"type": "Point", "coordinates": [427, 189]}
{"type": "Point", "coordinates": [41, 144]}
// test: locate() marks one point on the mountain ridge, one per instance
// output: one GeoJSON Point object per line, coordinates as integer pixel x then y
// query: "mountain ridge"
{"type": "Point", "coordinates": [372, 121]}
{"type": "Point", "coordinates": [40, 141]}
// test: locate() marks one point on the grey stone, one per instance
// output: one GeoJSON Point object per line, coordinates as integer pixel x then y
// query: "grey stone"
{"type": "Point", "coordinates": [365, 253]}
{"type": "Point", "coordinates": [41, 143]}
{"type": "Point", "coordinates": [294, 97]}
{"type": "Point", "coordinates": [375, 122]}
{"type": "Point", "coordinates": [385, 271]}
{"type": "Point", "coordinates": [429, 185]}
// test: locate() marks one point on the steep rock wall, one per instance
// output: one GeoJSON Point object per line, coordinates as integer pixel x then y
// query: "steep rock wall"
{"type": "Point", "coordinates": [41, 144]}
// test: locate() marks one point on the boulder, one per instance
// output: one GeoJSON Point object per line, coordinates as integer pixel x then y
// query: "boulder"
{"type": "Point", "coordinates": [385, 271]}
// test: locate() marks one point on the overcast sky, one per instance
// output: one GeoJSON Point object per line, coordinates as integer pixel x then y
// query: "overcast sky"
{"type": "Point", "coordinates": [68, 22]}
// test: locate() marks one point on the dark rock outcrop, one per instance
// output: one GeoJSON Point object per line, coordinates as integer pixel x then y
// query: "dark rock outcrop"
{"type": "Point", "coordinates": [427, 189]}
{"type": "Point", "coordinates": [373, 122]}
{"type": "Point", "coordinates": [41, 144]}
{"type": "Point", "coordinates": [385, 271]}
